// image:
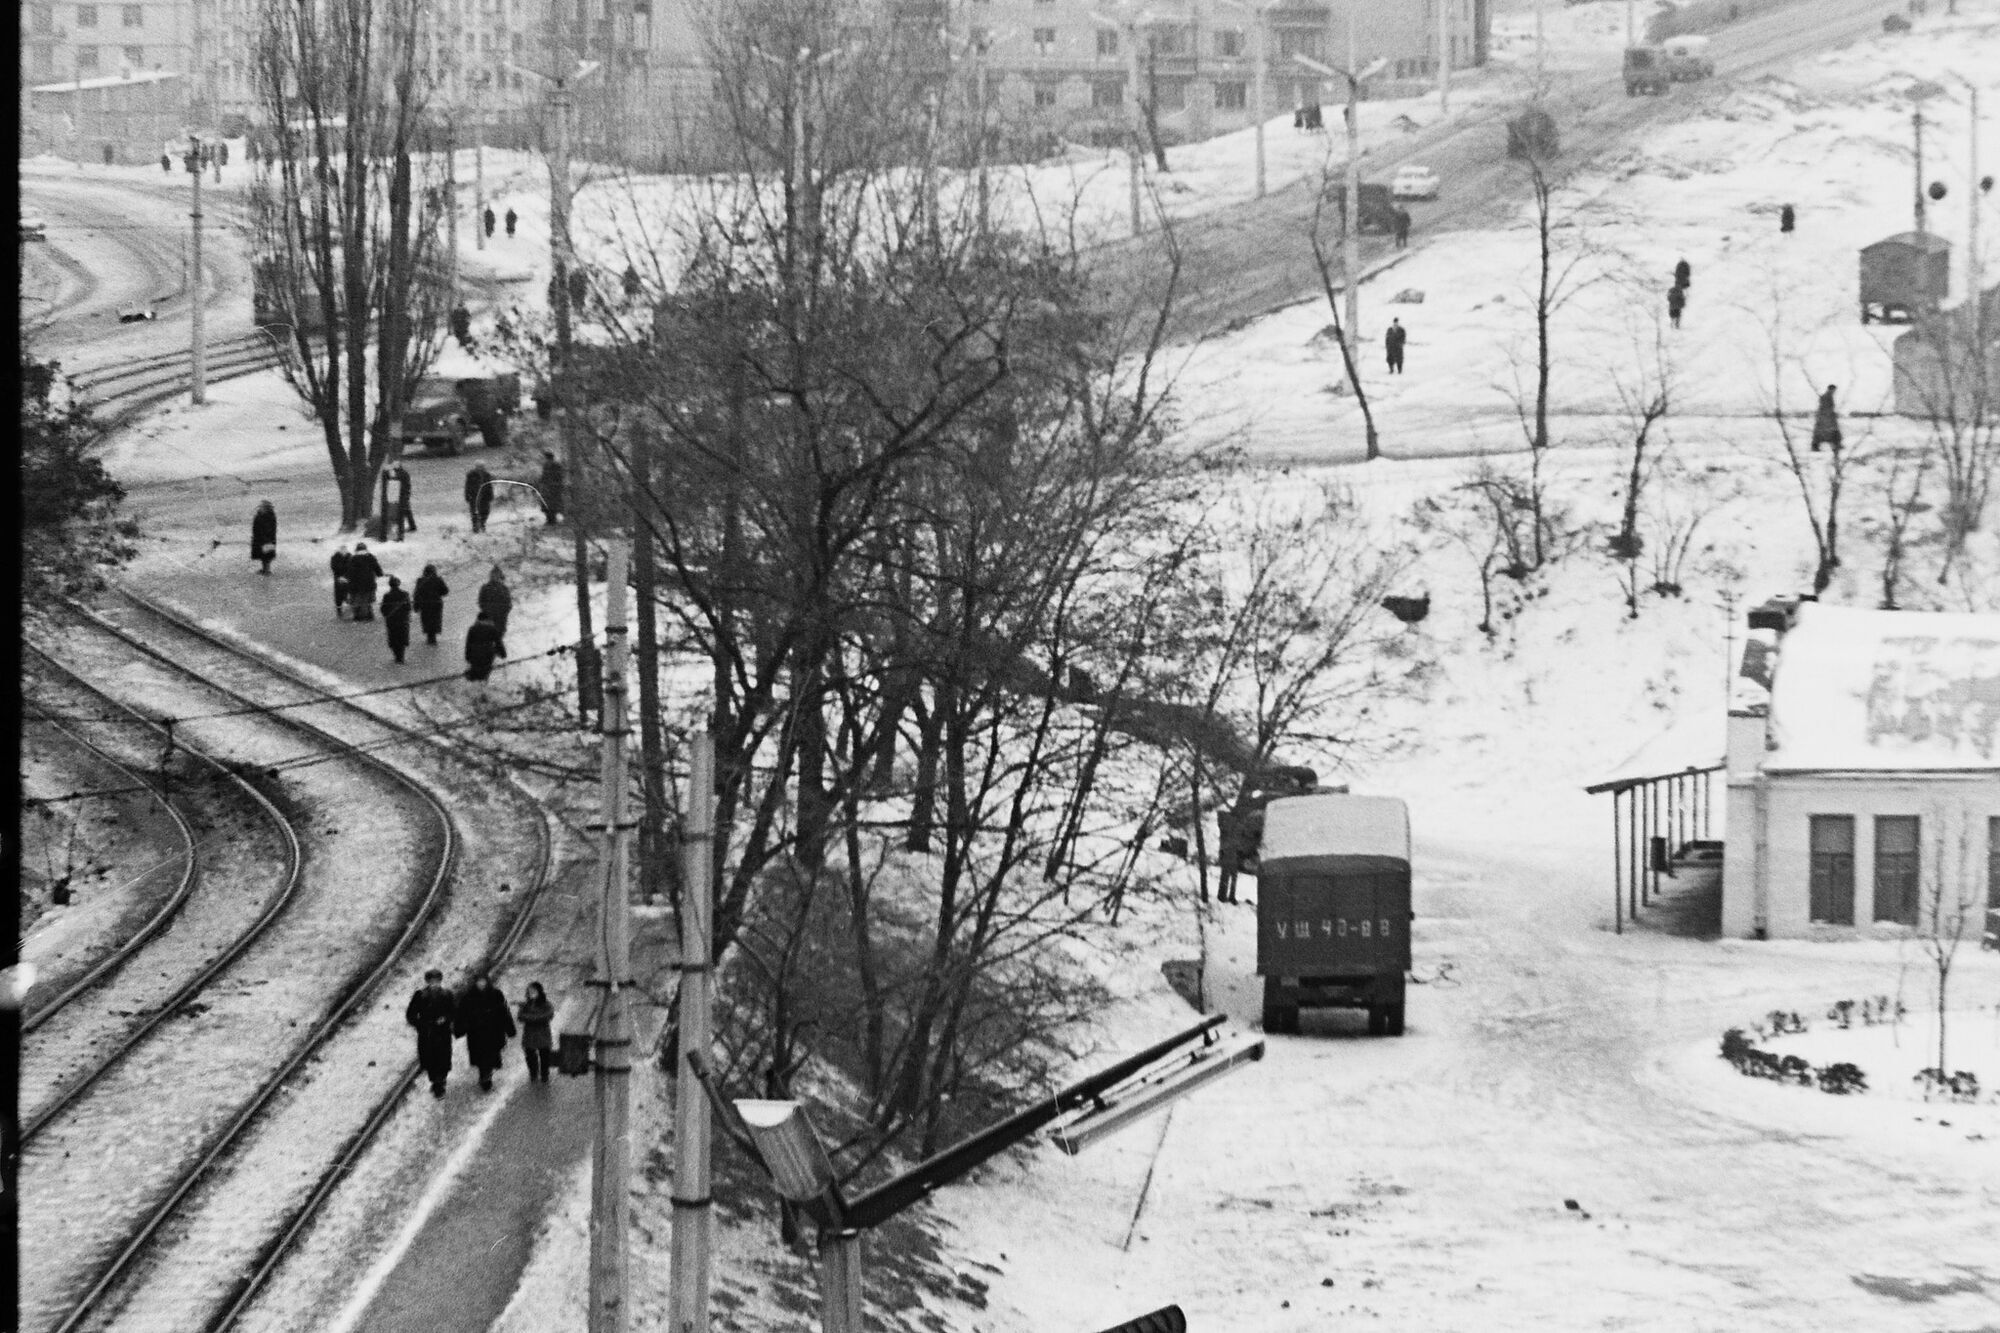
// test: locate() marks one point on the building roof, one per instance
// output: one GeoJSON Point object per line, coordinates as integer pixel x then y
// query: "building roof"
{"type": "Point", "coordinates": [107, 81]}
{"type": "Point", "coordinates": [1911, 240]}
{"type": "Point", "coordinates": [1693, 745]}
{"type": "Point", "coordinates": [1886, 691]}
{"type": "Point", "coordinates": [1335, 824]}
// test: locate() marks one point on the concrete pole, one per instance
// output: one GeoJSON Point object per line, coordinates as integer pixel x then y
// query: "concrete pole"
{"type": "Point", "coordinates": [1444, 57]}
{"type": "Point", "coordinates": [1973, 196]}
{"type": "Point", "coordinates": [1350, 256]}
{"type": "Point", "coordinates": [840, 1281]}
{"type": "Point", "coordinates": [1541, 50]}
{"type": "Point", "coordinates": [451, 202]}
{"type": "Point", "coordinates": [693, 1214]}
{"type": "Point", "coordinates": [1138, 128]}
{"type": "Point", "coordinates": [559, 224]}
{"type": "Point", "coordinates": [979, 147]}
{"type": "Point", "coordinates": [479, 163]}
{"type": "Point", "coordinates": [612, 1161]}
{"type": "Point", "coordinates": [1631, 22]}
{"type": "Point", "coordinates": [198, 344]}
{"type": "Point", "coordinates": [1260, 55]}
{"type": "Point", "coordinates": [1917, 125]}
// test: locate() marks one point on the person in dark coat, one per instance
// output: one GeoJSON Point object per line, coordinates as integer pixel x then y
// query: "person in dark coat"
{"type": "Point", "coordinates": [488, 219]}
{"type": "Point", "coordinates": [398, 509]}
{"type": "Point", "coordinates": [340, 562]}
{"type": "Point", "coordinates": [1826, 422]}
{"type": "Point", "coordinates": [1393, 339]}
{"type": "Point", "coordinates": [496, 603]}
{"type": "Point", "coordinates": [485, 1021]}
{"type": "Point", "coordinates": [511, 221]}
{"type": "Point", "coordinates": [551, 486]}
{"type": "Point", "coordinates": [429, 602]}
{"type": "Point", "coordinates": [363, 572]}
{"type": "Point", "coordinates": [479, 495]}
{"type": "Point", "coordinates": [482, 645]}
{"type": "Point", "coordinates": [264, 536]}
{"type": "Point", "coordinates": [432, 1012]}
{"type": "Point", "coordinates": [537, 1044]}
{"type": "Point", "coordinates": [1683, 275]}
{"type": "Point", "coordinates": [1787, 219]}
{"type": "Point", "coordinates": [1402, 229]}
{"type": "Point", "coordinates": [1676, 302]}
{"type": "Point", "coordinates": [396, 617]}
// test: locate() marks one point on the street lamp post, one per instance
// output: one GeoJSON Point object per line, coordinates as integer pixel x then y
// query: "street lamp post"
{"type": "Point", "coordinates": [1351, 212]}
{"type": "Point", "coordinates": [1129, 27]}
{"type": "Point", "coordinates": [1444, 56]}
{"type": "Point", "coordinates": [1259, 57]}
{"type": "Point", "coordinates": [198, 342]}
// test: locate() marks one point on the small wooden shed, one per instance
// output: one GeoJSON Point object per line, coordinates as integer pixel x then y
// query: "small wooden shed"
{"type": "Point", "coordinates": [1903, 276]}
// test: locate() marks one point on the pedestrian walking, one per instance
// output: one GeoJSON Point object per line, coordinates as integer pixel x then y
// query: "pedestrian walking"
{"type": "Point", "coordinates": [1393, 338]}
{"type": "Point", "coordinates": [429, 601]}
{"type": "Point", "coordinates": [485, 1021]}
{"type": "Point", "coordinates": [1676, 302]}
{"type": "Point", "coordinates": [482, 645]}
{"type": "Point", "coordinates": [264, 536]}
{"type": "Point", "coordinates": [537, 1044]}
{"type": "Point", "coordinates": [432, 1012]}
{"type": "Point", "coordinates": [478, 495]}
{"type": "Point", "coordinates": [396, 617]}
{"type": "Point", "coordinates": [1402, 229]}
{"type": "Point", "coordinates": [1683, 275]}
{"type": "Point", "coordinates": [1826, 422]}
{"type": "Point", "coordinates": [1787, 219]}
{"type": "Point", "coordinates": [496, 603]}
{"type": "Point", "coordinates": [631, 281]}
{"type": "Point", "coordinates": [340, 562]}
{"type": "Point", "coordinates": [511, 220]}
{"type": "Point", "coordinates": [406, 518]}
{"type": "Point", "coordinates": [167, 163]}
{"type": "Point", "coordinates": [489, 220]}
{"type": "Point", "coordinates": [551, 486]}
{"type": "Point", "coordinates": [363, 572]}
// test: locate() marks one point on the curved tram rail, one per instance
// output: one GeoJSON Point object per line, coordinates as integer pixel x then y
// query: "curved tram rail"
{"type": "Point", "coordinates": [285, 1238]}
{"type": "Point", "coordinates": [195, 984]}
{"type": "Point", "coordinates": [124, 389]}
{"type": "Point", "coordinates": [134, 1245]}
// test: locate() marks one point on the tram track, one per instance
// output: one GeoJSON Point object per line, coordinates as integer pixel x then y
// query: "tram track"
{"type": "Point", "coordinates": [501, 818]}
{"type": "Point", "coordinates": [112, 1167]}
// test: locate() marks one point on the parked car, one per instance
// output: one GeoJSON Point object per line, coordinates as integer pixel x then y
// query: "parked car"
{"type": "Point", "coordinates": [1414, 182]}
{"type": "Point", "coordinates": [34, 227]}
{"type": "Point", "coordinates": [1646, 71]}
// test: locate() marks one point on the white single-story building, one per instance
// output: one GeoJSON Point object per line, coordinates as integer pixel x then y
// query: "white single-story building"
{"type": "Point", "coordinates": [1863, 773]}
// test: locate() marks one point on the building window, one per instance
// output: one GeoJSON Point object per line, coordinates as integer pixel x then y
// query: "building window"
{"type": "Point", "coordinates": [1107, 42]}
{"type": "Point", "coordinates": [979, 38]}
{"type": "Point", "coordinates": [41, 20]}
{"type": "Point", "coordinates": [1307, 42]}
{"type": "Point", "coordinates": [1229, 43]}
{"type": "Point", "coordinates": [1230, 97]}
{"type": "Point", "coordinates": [1896, 867]}
{"type": "Point", "coordinates": [1106, 93]}
{"type": "Point", "coordinates": [86, 60]}
{"type": "Point", "coordinates": [135, 56]}
{"type": "Point", "coordinates": [1045, 94]}
{"type": "Point", "coordinates": [1167, 41]}
{"type": "Point", "coordinates": [86, 16]}
{"type": "Point", "coordinates": [1045, 41]}
{"type": "Point", "coordinates": [134, 16]}
{"type": "Point", "coordinates": [1170, 95]}
{"type": "Point", "coordinates": [1832, 873]}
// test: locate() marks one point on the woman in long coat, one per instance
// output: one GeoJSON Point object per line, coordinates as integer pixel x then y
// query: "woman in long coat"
{"type": "Point", "coordinates": [1826, 422]}
{"type": "Point", "coordinates": [362, 571]}
{"type": "Point", "coordinates": [482, 645]}
{"type": "Point", "coordinates": [429, 601]}
{"type": "Point", "coordinates": [537, 1043]}
{"type": "Point", "coordinates": [264, 536]}
{"type": "Point", "coordinates": [396, 617]}
{"type": "Point", "coordinates": [497, 602]}
{"type": "Point", "coordinates": [339, 562]}
{"type": "Point", "coordinates": [485, 1021]}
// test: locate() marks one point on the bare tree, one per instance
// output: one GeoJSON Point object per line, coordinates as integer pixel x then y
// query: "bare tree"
{"type": "Point", "coordinates": [1646, 396]}
{"type": "Point", "coordinates": [346, 217]}
{"type": "Point", "coordinates": [1951, 906]}
{"type": "Point", "coordinates": [1947, 370]}
{"type": "Point", "coordinates": [1323, 262]}
{"type": "Point", "coordinates": [1903, 501]}
{"type": "Point", "coordinates": [1501, 518]}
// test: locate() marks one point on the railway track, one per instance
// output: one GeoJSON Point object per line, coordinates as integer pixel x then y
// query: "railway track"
{"type": "Point", "coordinates": [127, 388]}
{"type": "Point", "coordinates": [112, 1009]}
{"type": "Point", "coordinates": [210, 1271]}
{"type": "Point", "coordinates": [108, 1168]}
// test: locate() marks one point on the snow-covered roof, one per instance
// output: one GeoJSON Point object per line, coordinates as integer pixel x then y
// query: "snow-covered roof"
{"type": "Point", "coordinates": [1886, 691]}
{"type": "Point", "coordinates": [1335, 824]}
{"type": "Point", "coordinates": [107, 81]}
{"type": "Point", "coordinates": [1689, 746]}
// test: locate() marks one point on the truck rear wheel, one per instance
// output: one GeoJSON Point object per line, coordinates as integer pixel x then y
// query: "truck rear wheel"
{"type": "Point", "coordinates": [1392, 1019]}
{"type": "Point", "coordinates": [1281, 1019]}
{"type": "Point", "coordinates": [1378, 1019]}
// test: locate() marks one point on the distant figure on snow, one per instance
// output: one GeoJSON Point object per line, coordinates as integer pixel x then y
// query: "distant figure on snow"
{"type": "Point", "coordinates": [340, 563]}
{"type": "Point", "coordinates": [478, 495]}
{"type": "Point", "coordinates": [1393, 338]}
{"type": "Point", "coordinates": [482, 645]}
{"type": "Point", "coordinates": [1826, 422]}
{"type": "Point", "coordinates": [429, 601]}
{"type": "Point", "coordinates": [1683, 275]}
{"type": "Point", "coordinates": [431, 1012]}
{"type": "Point", "coordinates": [1676, 302]}
{"type": "Point", "coordinates": [537, 1045]}
{"type": "Point", "coordinates": [488, 219]}
{"type": "Point", "coordinates": [496, 603]}
{"type": "Point", "coordinates": [396, 500]}
{"type": "Point", "coordinates": [363, 572]}
{"type": "Point", "coordinates": [512, 219]}
{"type": "Point", "coordinates": [1402, 229]}
{"type": "Point", "coordinates": [396, 617]}
{"type": "Point", "coordinates": [1787, 219]}
{"type": "Point", "coordinates": [486, 1023]}
{"type": "Point", "coordinates": [551, 486]}
{"type": "Point", "coordinates": [264, 536]}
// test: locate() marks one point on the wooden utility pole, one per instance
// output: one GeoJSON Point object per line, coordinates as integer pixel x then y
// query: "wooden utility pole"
{"type": "Point", "coordinates": [694, 1223]}
{"type": "Point", "coordinates": [1261, 57]}
{"type": "Point", "coordinates": [1138, 129]}
{"type": "Point", "coordinates": [451, 201]}
{"type": "Point", "coordinates": [1350, 258]}
{"type": "Point", "coordinates": [198, 343]}
{"type": "Point", "coordinates": [611, 1163]}
{"type": "Point", "coordinates": [1444, 57]}
{"type": "Point", "coordinates": [479, 161]}
{"type": "Point", "coordinates": [1917, 128]}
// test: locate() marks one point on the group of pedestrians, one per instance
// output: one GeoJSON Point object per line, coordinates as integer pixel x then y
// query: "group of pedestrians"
{"type": "Point", "coordinates": [479, 1014]}
{"type": "Point", "coordinates": [513, 220]}
{"type": "Point", "coordinates": [480, 483]}
{"type": "Point", "coordinates": [356, 574]}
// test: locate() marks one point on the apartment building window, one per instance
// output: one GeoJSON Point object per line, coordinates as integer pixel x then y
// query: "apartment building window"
{"type": "Point", "coordinates": [1170, 95]}
{"type": "Point", "coordinates": [1107, 42]}
{"type": "Point", "coordinates": [135, 56]}
{"type": "Point", "coordinates": [86, 16]}
{"type": "Point", "coordinates": [1045, 95]}
{"type": "Point", "coordinates": [1107, 93]}
{"type": "Point", "coordinates": [1307, 42]}
{"type": "Point", "coordinates": [518, 44]}
{"type": "Point", "coordinates": [1045, 41]}
{"type": "Point", "coordinates": [1230, 96]}
{"type": "Point", "coordinates": [1168, 41]}
{"type": "Point", "coordinates": [1831, 888]}
{"type": "Point", "coordinates": [134, 16]}
{"type": "Point", "coordinates": [41, 20]}
{"type": "Point", "coordinates": [1229, 43]}
{"type": "Point", "coordinates": [86, 60]}
{"type": "Point", "coordinates": [979, 37]}
{"type": "Point", "coordinates": [1897, 890]}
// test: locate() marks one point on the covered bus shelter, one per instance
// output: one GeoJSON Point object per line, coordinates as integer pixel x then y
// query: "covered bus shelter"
{"type": "Point", "coordinates": [1663, 809]}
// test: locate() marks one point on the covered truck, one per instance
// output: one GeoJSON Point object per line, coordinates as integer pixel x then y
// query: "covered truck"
{"type": "Point", "coordinates": [1333, 908]}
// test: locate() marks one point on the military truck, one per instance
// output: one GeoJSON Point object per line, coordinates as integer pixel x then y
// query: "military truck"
{"type": "Point", "coordinates": [1333, 908]}
{"type": "Point", "coordinates": [1646, 71]}
{"type": "Point", "coordinates": [1378, 207]}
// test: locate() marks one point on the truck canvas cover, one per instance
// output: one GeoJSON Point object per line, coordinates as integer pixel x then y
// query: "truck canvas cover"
{"type": "Point", "coordinates": [1333, 887]}
{"type": "Point", "coordinates": [1328, 831]}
